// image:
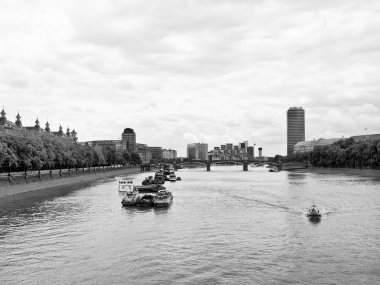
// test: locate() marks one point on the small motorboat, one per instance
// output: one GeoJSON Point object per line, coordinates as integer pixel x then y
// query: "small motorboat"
{"type": "Point", "coordinates": [313, 212]}
{"type": "Point", "coordinates": [179, 178]}
{"type": "Point", "coordinates": [273, 169]}
{"type": "Point", "coordinates": [163, 198]}
{"type": "Point", "coordinates": [126, 184]}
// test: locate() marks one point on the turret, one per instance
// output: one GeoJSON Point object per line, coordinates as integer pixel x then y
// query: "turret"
{"type": "Point", "coordinates": [60, 132]}
{"type": "Point", "coordinates": [37, 126]}
{"type": "Point", "coordinates": [68, 132]}
{"type": "Point", "coordinates": [18, 120]}
{"type": "Point", "coordinates": [74, 135]}
{"type": "Point", "coordinates": [3, 114]}
{"type": "Point", "coordinates": [3, 118]}
{"type": "Point", "coordinates": [47, 127]}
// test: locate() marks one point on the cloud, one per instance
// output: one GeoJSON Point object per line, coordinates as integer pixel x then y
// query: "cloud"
{"type": "Point", "coordinates": [182, 71]}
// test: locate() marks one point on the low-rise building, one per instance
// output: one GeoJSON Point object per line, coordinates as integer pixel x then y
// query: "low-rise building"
{"type": "Point", "coordinates": [307, 146]}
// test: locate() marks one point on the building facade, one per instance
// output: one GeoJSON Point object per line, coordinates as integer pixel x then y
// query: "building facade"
{"type": "Point", "coordinates": [115, 144]}
{"type": "Point", "coordinates": [144, 152]}
{"type": "Point", "coordinates": [8, 127]}
{"type": "Point", "coordinates": [197, 151]}
{"type": "Point", "coordinates": [128, 138]}
{"type": "Point", "coordinates": [295, 127]}
{"type": "Point", "coordinates": [156, 152]}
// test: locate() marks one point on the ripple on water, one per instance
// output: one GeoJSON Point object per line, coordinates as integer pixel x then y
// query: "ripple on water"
{"type": "Point", "coordinates": [224, 227]}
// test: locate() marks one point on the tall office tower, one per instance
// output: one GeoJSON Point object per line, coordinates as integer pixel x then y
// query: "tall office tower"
{"type": "Point", "coordinates": [128, 138]}
{"type": "Point", "coordinates": [260, 152]}
{"type": "Point", "coordinates": [296, 127]}
{"type": "Point", "coordinates": [250, 152]}
{"type": "Point", "coordinates": [192, 151]}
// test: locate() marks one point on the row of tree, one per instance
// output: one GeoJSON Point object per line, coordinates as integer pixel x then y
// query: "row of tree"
{"type": "Point", "coordinates": [24, 151]}
{"type": "Point", "coordinates": [344, 153]}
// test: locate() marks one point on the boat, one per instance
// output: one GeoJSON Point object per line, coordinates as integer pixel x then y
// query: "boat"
{"type": "Point", "coordinates": [148, 180]}
{"type": "Point", "coordinates": [273, 169]}
{"type": "Point", "coordinates": [179, 178]}
{"type": "Point", "coordinates": [152, 188]}
{"type": "Point", "coordinates": [313, 212]}
{"type": "Point", "coordinates": [145, 200]}
{"type": "Point", "coordinates": [141, 196]}
{"type": "Point", "coordinates": [172, 177]}
{"type": "Point", "coordinates": [163, 198]}
{"type": "Point", "coordinates": [126, 184]}
{"type": "Point", "coordinates": [130, 199]}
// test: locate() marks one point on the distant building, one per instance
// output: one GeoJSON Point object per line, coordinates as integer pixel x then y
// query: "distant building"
{"type": "Point", "coordinates": [128, 138]}
{"type": "Point", "coordinates": [192, 151]}
{"type": "Point", "coordinates": [373, 137]}
{"type": "Point", "coordinates": [7, 127]}
{"type": "Point", "coordinates": [197, 151]}
{"type": "Point", "coordinates": [114, 144]}
{"type": "Point", "coordinates": [250, 152]}
{"type": "Point", "coordinates": [295, 127]}
{"type": "Point", "coordinates": [260, 152]}
{"type": "Point", "coordinates": [156, 152]}
{"type": "Point", "coordinates": [202, 150]}
{"type": "Point", "coordinates": [144, 152]}
{"type": "Point", "coordinates": [308, 146]}
{"type": "Point", "coordinates": [169, 154]}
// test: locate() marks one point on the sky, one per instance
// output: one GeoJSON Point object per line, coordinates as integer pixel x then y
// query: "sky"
{"type": "Point", "coordinates": [181, 71]}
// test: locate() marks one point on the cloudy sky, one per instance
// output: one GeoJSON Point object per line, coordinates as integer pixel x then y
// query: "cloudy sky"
{"type": "Point", "coordinates": [181, 71]}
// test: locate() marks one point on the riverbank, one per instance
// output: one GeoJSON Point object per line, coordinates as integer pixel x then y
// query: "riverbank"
{"type": "Point", "coordinates": [370, 173]}
{"type": "Point", "coordinates": [71, 182]}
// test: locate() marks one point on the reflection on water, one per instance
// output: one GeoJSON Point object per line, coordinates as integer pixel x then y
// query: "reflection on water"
{"type": "Point", "coordinates": [224, 227]}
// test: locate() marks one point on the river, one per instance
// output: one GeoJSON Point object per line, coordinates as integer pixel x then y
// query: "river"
{"type": "Point", "coordinates": [226, 226]}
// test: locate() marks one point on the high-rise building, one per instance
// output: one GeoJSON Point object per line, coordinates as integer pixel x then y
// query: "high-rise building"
{"type": "Point", "coordinates": [197, 151]}
{"type": "Point", "coordinates": [202, 150]}
{"type": "Point", "coordinates": [260, 152]}
{"type": "Point", "coordinates": [296, 127]}
{"type": "Point", "coordinates": [128, 138]}
{"type": "Point", "coordinates": [192, 151]}
{"type": "Point", "coordinates": [250, 152]}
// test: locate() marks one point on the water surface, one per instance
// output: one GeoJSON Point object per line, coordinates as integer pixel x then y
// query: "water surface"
{"type": "Point", "coordinates": [224, 227]}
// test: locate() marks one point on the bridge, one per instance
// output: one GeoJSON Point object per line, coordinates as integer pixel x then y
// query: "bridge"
{"type": "Point", "coordinates": [206, 163]}
{"type": "Point", "coordinates": [209, 163]}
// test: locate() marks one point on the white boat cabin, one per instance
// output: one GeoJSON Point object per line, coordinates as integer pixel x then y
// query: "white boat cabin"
{"type": "Point", "coordinates": [126, 185]}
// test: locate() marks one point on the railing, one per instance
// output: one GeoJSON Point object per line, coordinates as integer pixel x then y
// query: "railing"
{"type": "Point", "coordinates": [40, 175]}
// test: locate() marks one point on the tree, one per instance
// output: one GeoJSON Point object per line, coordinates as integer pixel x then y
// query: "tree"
{"type": "Point", "coordinates": [135, 158]}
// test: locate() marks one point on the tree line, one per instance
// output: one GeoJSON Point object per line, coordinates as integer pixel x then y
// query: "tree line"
{"type": "Point", "coordinates": [27, 151]}
{"type": "Point", "coordinates": [343, 153]}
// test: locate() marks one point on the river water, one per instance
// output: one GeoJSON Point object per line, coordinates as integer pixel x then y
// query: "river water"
{"type": "Point", "coordinates": [224, 227]}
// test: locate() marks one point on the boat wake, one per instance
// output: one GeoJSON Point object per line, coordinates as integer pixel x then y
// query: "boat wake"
{"type": "Point", "coordinates": [266, 203]}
